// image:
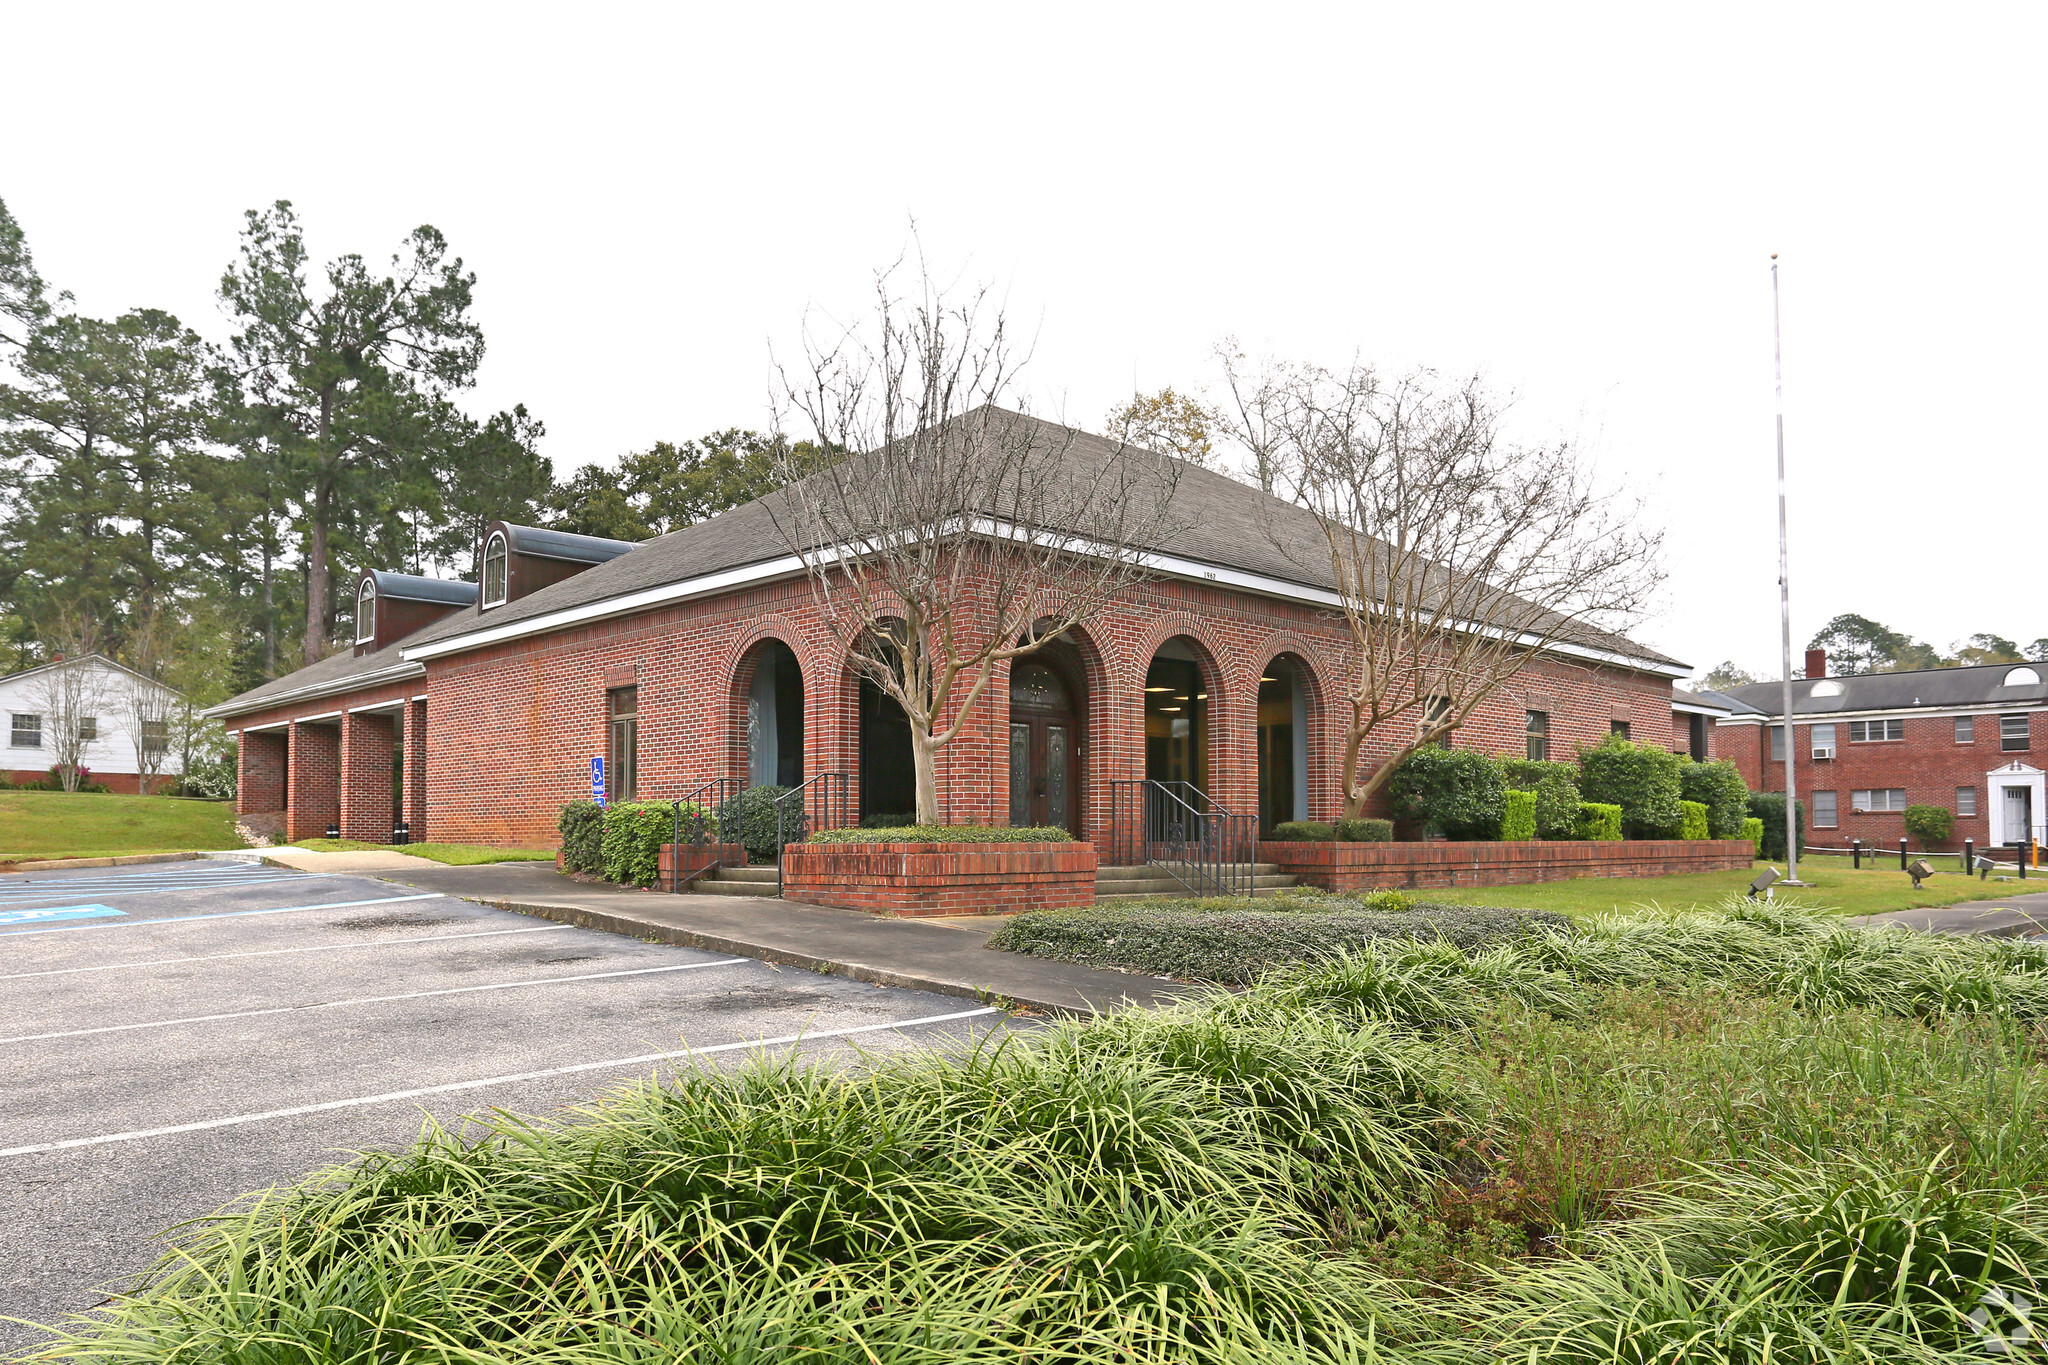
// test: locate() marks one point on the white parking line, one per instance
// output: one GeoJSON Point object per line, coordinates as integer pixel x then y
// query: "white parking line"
{"type": "Point", "coordinates": [274, 952]}
{"type": "Point", "coordinates": [368, 1000]}
{"type": "Point", "coordinates": [225, 914]}
{"type": "Point", "coordinates": [62, 890]}
{"type": "Point", "coordinates": [614, 1064]}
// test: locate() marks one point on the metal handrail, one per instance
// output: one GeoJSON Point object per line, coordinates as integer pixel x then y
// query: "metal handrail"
{"type": "Point", "coordinates": [1188, 834]}
{"type": "Point", "coordinates": [815, 803]}
{"type": "Point", "coordinates": [724, 808]}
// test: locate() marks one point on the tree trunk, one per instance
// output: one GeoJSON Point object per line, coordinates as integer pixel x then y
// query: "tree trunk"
{"type": "Point", "coordinates": [924, 763]}
{"type": "Point", "coordinates": [317, 574]}
{"type": "Point", "coordinates": [269, 607]}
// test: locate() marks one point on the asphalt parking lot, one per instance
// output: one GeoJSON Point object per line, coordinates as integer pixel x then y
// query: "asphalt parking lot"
{"type": "Point", "coordinates": [178, 1034]}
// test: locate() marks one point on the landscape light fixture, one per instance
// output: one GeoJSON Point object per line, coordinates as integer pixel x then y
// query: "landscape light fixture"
{"type": "Point", "coordinates": [1983, 868]}
{"type": "Point", "coordinates": [1763, 882]}
{"type": "Point", "coordinates": [1918, 869]}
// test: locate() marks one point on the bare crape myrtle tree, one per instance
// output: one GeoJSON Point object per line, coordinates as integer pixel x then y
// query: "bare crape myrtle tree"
{"type": "Point", "coordinates": [957, 534]}
{"type": "Point", "coordinates": [1459, 557]}
{"type": "Point", "coordinates": [75, 699]}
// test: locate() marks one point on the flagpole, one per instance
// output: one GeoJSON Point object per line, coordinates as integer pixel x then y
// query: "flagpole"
{"type": "Point", "coordinates": [1784, 597]}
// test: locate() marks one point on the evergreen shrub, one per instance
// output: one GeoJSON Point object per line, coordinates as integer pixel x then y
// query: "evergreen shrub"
{"type": "Point", "coordinates": [1753, 830]}
{"type": "Point", "coordinates": [1304, 832]}
{"type": "Point", "coordinates": [582, 828]}
{"type": "Point", "coordinates": [1519, 822]}
{"type": "Point", "coordinates": [1456, 791]}
{"type": "Point", "coordinates": [1598, 820]}
{"type": "Point", "coordinates": [1364, 831]}
{"type": "Point", "coordinates": [1717, 785]}
{"type": "Point", "coordinates": [1642, 780]}
{"type": "Point", "coordinates": [634, 832]}
{"type": "Point", "coordinates": [1769, 807]}
{"type": "Point", "coordinates": [946, 834]}
{"type": "Point", "coordinates": [753, 823]}
{"type": "Point", "coordinates": [1692, 824]}
{"type": "Point", "coordinates": [1929, 824]}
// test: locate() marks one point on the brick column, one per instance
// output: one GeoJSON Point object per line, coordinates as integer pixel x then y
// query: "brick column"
{"type": "Point", "coordinates": [259, 786]}
{"type": "Point", "coordinates": [367, 747]}
{"type": "Point", "coordinates": [413, 807]}
{"type": "Point", "coordinates": [312, 781]}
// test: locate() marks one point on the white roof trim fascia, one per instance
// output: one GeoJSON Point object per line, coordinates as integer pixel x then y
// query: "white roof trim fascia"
{"type": "Point", "coordinates": [395, 704]}
{"type": "Point", "coordinates": [1700, 708]}
{"type": "Point", "coordinates": [1903, 713]}
{"type": "Point", "coordinates": [421, 697]}
{"type": "Point", "coordinates": [323, 715]}
{"type": "Point", "coordinates": [259, 729]}
{"type": "Point", "coordinates": [87, 659]}
{"type": "Point", "coordinates": [791, 565]}
{"type": "Point", "coordinates": [389, 673]}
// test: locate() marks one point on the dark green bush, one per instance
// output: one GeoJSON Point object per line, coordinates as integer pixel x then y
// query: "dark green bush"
{"type": "Point", "coordinates": [1717, 785]}
{"type": "Point", "coordinates": [1640, 779]}
{"type": "Point", "coordinates": [750, 821]}
{"type": "Point", "coordinates": [1364, 831]}
{"type": "Point", "coordinates": [1929, 824]}
{"type": "Point", "coordinates": [1304, 832]}
{"type": "Point", "coordinates": [1456, 791]}
{"type": "Point", "coordinates": [1753, 830]}
{"type": "Point", "coordinates": [582, 828]}
{"type": "Point", "coordinates": [1769, 807]}
{"type": "Point", "coordinates": [1519, 823]}
{"type": "Point", "coordinates": [894, 820]}
{"type": "Point", "coordinates": [946, 834]}
{"type": "Point", "coordinates": [634, 832]}
{"type": "Point", "coordinates": [1557, 802]}
{"type": "Point", "coordinates": [1598, 820]}
{"type": "Point", "coordinates": [1692, 820]}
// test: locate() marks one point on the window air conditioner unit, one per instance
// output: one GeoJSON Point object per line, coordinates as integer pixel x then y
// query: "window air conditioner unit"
{"type": "Point", "coordinates": [1824, 751]}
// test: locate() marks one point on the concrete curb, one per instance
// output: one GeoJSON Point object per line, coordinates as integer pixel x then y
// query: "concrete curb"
{"type": "Point", "coordinates": [123, 860]}
{"type": "Point", "coordinates": [782, 957]}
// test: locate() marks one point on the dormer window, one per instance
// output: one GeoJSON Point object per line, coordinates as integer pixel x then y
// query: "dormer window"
{"type": "Point", "coordinates": [494, 570]}
{"type": "Point", "coordinates": [2022, 677]}
{"type": "Point", "coordinates": [366, 611]}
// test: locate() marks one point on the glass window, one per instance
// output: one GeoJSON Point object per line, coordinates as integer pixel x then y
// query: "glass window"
{"type": "Point", "coordinates": [622, 783]}
{"type": "Point", "coordinates": [494, 570]}
{"type": "Point", "coordinates": [1539, 736]}
{"type": "Point", "coordinates": [366, 611]}
{"type": "Point", "coordinates": [1433, 711]}
{"type": "Point", "coordinates": [1879, 800]}
{"type": "Point", "coordinates": [1777, 744]}
{"type": "Point", "coordinates": [1619, 727]}
{"type": "Point", "coordinates": [156, 736]}
{"type": "Point", "coordinates": [1865, 731]}
{"type": "Point", "coordinates": [2012, 733]}
{"type": "Point", "coordinates": [1966, 729]}
{"type": "Point", "coordinates": [1823, 738]}
{"type": "Point", "coordinates": [1966, 800]}
{"type": "Point", "coordinates": [88, 727]}
{"type": "Point", "coordinates": [1824, 810]}
{"type": "Point", "coordinates": [26, 732]}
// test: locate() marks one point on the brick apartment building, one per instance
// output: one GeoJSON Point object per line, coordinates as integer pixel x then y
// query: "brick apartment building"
{"type": "Point", "coordinates": [472, 712]}
{"type": "Point", "coordinates": [1866, 747]}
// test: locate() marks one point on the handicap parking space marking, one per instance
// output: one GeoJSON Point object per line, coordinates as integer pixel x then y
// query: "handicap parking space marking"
{"type": "Point", "coordinates": [58, 912]}
{"type": "Point", "coordinates": [351, 946]}
{"type": "Point", "coordinates": [221, 914]}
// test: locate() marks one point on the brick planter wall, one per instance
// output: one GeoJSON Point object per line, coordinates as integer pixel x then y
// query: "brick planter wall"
{"type": "Point", "coordinates": [696, 857]}
{"type": "Point", "coordinates": [1363, 867]}
{"type": "Point", "coordinates": [940, 879]}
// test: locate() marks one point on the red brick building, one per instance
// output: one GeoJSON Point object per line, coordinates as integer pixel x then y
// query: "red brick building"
{"type": "Point", "coordinates": [1971, 740]}
{"type": "Point", "coordinates": [473, 712]}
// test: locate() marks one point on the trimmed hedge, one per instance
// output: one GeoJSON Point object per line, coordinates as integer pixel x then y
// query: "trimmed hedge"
{"type": "Point", "coordinates": [1304, 832]}
{"type": "Point", "coordinates": [1930, 824]}
{"type": "Point", "coordinates": [634, 832]}
{"type": "Point", "coordinates": [1692, 822]}
{"type": "Point", "coordinates": [1234, 946]}
{"type": "Point", "coordinates": [1364, 831]}
{"type": "Point", "coordinates": [1717, 785]}
{"type": "Point", "coordinates": [1453, 790]}
{"type": "Point", "coordinates": [1642, 780]}
{"type": "Point", "coordinates": [1753, 830]}
{"type": "Point", "coordinates": [1557, 802]}
{"type": "Point", "coordinates": [1519, 823]}
{"type": "Point", "coordinates": [946, 834]}
{"type": "Point", "coordinates": [1769, 807]}
{"type": "Point", "coordinates": [582, 828]}
{"type": "Point", "coordinates": [1598, 820]}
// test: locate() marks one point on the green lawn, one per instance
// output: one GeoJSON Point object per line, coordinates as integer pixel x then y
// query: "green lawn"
{"type": "Point", "coordinates": [457, 855]}
{"type": "Point", "coordinates": [94, 825]}
{"type": "Point", "coordinates": [1868, 892]}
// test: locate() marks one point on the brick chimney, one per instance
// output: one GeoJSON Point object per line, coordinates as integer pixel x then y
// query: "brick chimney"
{"type": "Point", "coordinates": [1816, 663]}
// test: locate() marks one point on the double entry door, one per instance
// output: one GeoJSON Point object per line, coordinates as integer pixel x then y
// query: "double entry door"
{"type": "Point", "coordinates": [1041, 770]}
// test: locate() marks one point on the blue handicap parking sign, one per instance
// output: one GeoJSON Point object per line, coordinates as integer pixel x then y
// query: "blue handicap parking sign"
{"type": "Point", "coordinates": [597, 778]}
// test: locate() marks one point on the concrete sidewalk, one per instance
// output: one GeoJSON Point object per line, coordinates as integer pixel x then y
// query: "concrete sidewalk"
{"type": "Point", "coordinates": [2006, 917]}
{"type": "Point", "coordinates": [948, 958]}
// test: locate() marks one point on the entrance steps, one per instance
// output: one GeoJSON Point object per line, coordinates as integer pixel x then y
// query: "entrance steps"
{"type": "Point", "coordinates": [736, 881]}
{"type": "Point", "coordinates": [1134, 883]}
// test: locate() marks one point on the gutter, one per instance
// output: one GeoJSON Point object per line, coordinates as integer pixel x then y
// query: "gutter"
{"type": "Point", "coordinates": [355, 682]}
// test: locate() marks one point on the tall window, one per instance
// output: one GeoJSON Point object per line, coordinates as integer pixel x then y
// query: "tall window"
{"type": "Point", "coordinates": [1539, 736]}
{"type": "Point", "coordinates": [366, 611]}
{"type": "Point", "coordinates": [2012, 733]}
{"type": "Point", "coordinates": [88, 727]}
{"type": "Point", "coordinates": [495, 557]}
{"type": "Point", "coordinates": [1433, 711]}
{"type": "Point", "coordinates": [1619, 727]}
{"type": "Point", "coordinates": [623, 782]}
{"type": "Point", "coordinates": [1825, 810]}
{"type": "Point", "coordinates": [1777, 744]}
{"type": "Point", "coordinates": [1966, 800]}
{"type": "Point", "coordinates": [1823, 738]}
{"type": "Point", "coordinates": [1966, 729]}
{"type": "Point", "coordinates": [1879, 799]}
{"type": "Point", "coordinates": [26, 732]}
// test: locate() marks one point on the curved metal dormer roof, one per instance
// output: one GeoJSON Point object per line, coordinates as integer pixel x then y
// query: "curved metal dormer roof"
{"type": "Point", "coordinates": [407, 587]}
{"type": "Point", "coordinates": [545, 544]}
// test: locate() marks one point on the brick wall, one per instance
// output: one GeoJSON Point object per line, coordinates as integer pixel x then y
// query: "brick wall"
{"type": "Point", "coordinates": [313, 779]}
{"type": "Point", "coordinates": [940, 879]}
{"type": "Point", "coordinates": [367, 745]}
{"type": "Point", "coordinates": [260, 785]}
{"type": "Point", "coordinates": [413, 802]}
{"type": "Point", "coordinates": [1928, 763]}
{"type": "Point", "coordinates": [1362, 867]}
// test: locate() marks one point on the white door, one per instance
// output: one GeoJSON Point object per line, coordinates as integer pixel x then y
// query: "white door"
{"type": "Point", "coordinates": [2019, 814]}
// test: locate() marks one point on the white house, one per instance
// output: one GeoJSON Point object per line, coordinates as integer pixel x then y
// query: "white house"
{"type": "Point", "coordinates": [92, 712]}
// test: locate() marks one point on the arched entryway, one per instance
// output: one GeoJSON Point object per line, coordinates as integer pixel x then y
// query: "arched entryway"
{"type": "Point", "coordinates": [888, 777]}
{"type": "Point", "coordinates": [1283, 743]}
{"type": "Point", "coordinates": [1048, 739]}
{"type": "Point", "coordinates": [1177, 715]}
{"type": "Point", "coordinates": [775, 717]}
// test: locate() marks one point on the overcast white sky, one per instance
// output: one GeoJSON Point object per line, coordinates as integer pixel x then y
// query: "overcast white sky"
{"type": "Point", "coordinates": [1580, 201]}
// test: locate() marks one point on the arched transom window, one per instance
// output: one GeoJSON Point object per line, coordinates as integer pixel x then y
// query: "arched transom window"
{"type": "Point", "coordinates": [494, 570]}
{"type": "Point", "coordinates": [366, 611]}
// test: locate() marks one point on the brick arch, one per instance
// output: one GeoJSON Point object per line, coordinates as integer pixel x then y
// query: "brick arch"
{"type": "Point", "coordinates": [1231, 759]}
{"type": "Point", "coordinates": [1165, 626]}
{"type": "Point", "coordinates": [1320, 726]}
{"type": "Point", "coordinates": [1097, 752]}
{"type": "Point", "coordinates": [737, 667]}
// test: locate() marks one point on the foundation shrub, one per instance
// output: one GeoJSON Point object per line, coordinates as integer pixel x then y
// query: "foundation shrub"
{"type": "Point", "coordinates": [582, 828]}
{"type": "Point", "coordinates": [1362, 830]}
{"type": "Point", "coordinates": [1769, 807]}
{"type": "Point", "coordinates": [1599, 821]}
{"type": "Point", "coordinates": [1930, 824]}
{"type": "Point", "coordinates": [946, 834]}
{"type": "Point", "coordinates": [1304, 832]}
{"type": "Point", "coordinates": [1753, 830]}
{"type": "Point", "coordinates": [1692, 820]}
{"type": "Point", "coordinates": [634, 832]}
{"type": "Point", "coordinates": [1455, 791]}
{"type": "Point", "coordinates": [1717, 785]}
{"type": "Point", "coordinates": [1642, 780]}
{"type": "Point", "coordinates": [1518, 821]}
{"type": "Point", "coordinates": [1557, 802]}
{"type": "Point", "coordinates": [893, 820]}
{"type": "Point", "coordinates": [750, 820]}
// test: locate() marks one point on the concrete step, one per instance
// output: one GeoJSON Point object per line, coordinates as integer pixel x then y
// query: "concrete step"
{"type": "Point", "coordinates": [719, 886]}
{"type": "Point", "coordinates": [747, 874]}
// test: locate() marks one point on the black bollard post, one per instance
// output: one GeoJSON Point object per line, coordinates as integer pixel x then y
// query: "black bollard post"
{"type": "Point", "coordinates": [1969, 856]}
{"type": "Point", "coordinates": [1902, 853]}
{"type": "Point", "coordinates": [1856, 854]}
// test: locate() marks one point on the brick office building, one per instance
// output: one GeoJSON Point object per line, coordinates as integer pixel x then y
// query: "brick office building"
{"type": "Point", "coordinates": [472, 711]}
{"type": "Point", "coordinates": [1866, 747]}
